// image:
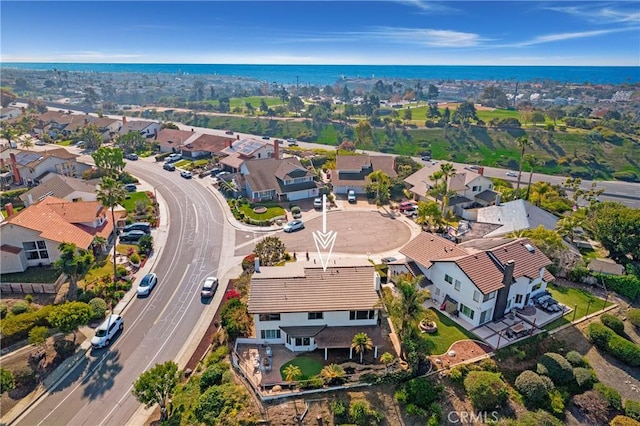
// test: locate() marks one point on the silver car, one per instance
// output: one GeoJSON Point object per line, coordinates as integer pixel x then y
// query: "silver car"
{"type": "Point", "coordinates": [294, 225]}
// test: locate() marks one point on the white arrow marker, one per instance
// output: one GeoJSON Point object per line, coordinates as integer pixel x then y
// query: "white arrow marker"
{"type": "Point", "coordinates": [324, 239]}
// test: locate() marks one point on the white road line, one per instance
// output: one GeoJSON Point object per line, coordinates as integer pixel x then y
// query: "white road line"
{"type": "Point", "coordinates": [172, 295]}
{"type": "Point", "coordinates": [195, 210]}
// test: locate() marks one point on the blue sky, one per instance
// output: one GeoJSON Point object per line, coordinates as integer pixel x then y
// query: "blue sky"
{"type": "Point", "coordinates": [402, 32]}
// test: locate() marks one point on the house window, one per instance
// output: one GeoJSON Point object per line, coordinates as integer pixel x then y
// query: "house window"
{"type": "Point", "coordinates": [448, 278]}
{"type": "Point", "coordinates": [518, 298]}
{"type": "Point", "coordinates": [476, 296]}
{"type": "Point", "coordinates": [437, 291]}
{"type": "Point", "coordinates": [476, 188]}
{"type": "Point", "coordinates": [270, 334]}
{"type": "Point", "coordinates": [269, 317]}
{"type": "Point", "coordinates": [362, 315]}
{"type": "Point", "coordinates": [302, 341]}
{"type": "Point", "coordinates": [508, 303]}
{"type": "Point", "coordinates": [457, 285]}
{"type": "Point", "coordinates": [486, 315]}
{"type": "Point", "coordinates": [536, 287]}
{"type": "Point", "coordinates": [489, 296]}
{"type": "Point", "coordinates": [315, 315]}
{"type": "Point", "coordinates": [35, 250]}
{"type": "Point", "coordinates": [466, 311]}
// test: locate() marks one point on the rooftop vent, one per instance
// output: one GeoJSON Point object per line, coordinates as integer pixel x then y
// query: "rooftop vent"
{"type": "Point", "coordinates": [530, 248]}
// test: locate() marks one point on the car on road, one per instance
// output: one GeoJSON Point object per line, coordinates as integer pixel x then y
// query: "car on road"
{"type": "Point", "coordinates": [131, 156]}
{"type": "Point", "coordinates": [131, 187]}
{"type": "Point", "coordinates": [317, 203]}
{"type": "Point", "coordinates": [228, 132]}
{"type": "Point", "coordinates": [294, 225]}
{"type": "Point", "coordinates": [351, 196]}
{"type": "Point", "coordinates": [292, 142]}
{"type": "Point", "coordinates": [106, 331]}
{"type": "Point", "coordinates": [412, 212]}
{"type": "Point", "coordinates": [81, 144]}
{"type": "Point", "coordinates": [474, 167]}
{"type": "Point", "coordinates": [388, 259]}
{"type": "Point", "coordinates": [170, 167]}
{"type": "Point", "coordinates": [132, 236]}
{"type": "Point", "coordinates": [209, 287]}
{"type": "Point", "coordinates": [426, 158]}
{"type": "Point", "coordinates": [146, 285]}
{"type": "Point", "coordinates": [266, 138]}
{"type": "Point", "coordinates": [186, 174]}
{"type": "Point", "coordinates": [512, 174]}
{"type": "Point", "coordinates": [40, 142]}
{"type": "Point", "coordinates": [173, 158]}
{"type": "Point", "coordinates": [138, 226]}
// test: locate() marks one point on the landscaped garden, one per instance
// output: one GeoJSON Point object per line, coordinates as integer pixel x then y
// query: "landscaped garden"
{"type": "Point", "coordinates": [260, 214]}
{"type": "Point", "coordinates": [447, 334]}
{"type": "Point", "coordinates": [572, 297]}
{"type": "Point", "coordinates": [134, 198]}
{"type": "Point", "coordinates": [309, 367]}
{"type": "Point", "coordinates": [34, 274]}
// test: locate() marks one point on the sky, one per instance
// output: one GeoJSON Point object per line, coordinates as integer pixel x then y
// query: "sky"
{"type": "Point", "coordinates": [402, 32]}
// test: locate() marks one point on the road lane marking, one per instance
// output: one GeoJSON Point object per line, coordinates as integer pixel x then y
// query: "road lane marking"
{"type": "Point", "coordinates": [195, 216]}
{"type": "Point", "coordinates": [172, 295]}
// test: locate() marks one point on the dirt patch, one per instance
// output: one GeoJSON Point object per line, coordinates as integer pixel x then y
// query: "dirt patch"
{"type": "Point", "coordinates": [38, 301]}
{"type": "Point", "coordinates": [464, 350]}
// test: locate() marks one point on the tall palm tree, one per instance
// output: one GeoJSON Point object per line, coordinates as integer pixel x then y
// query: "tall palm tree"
{"type": "Point", "coordinates": [8, 133]}
{"type": "Point", "coordinates": [291, 372]}
{"type": "Point", "coordinates": [26, 143]}
{"type": "Point", "coordinates": [361, 342]}
{"type": "Point", "coordinates": [111, 194]}
{"type": "Point", "coordinates": [382, 184]}
{"type": "Point", "coordinates": [540, 191]}
{"type": "Point", "coordinates": [448, 171]}
{"type": "Point", "coordinates": [408, 308]}
{"type": "Point", "coordinates": [523, 142]}
{"type": "Point", "coordinates": [533, 162]}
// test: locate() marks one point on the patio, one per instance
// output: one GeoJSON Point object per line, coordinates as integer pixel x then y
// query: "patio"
{"type": "Point", "coordinates": [251, 360]}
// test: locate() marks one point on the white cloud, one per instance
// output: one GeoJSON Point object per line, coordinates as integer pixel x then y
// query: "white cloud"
{"type": "Point", "coordinates": [430, 37]}
{"type": "Point", "coordinates": [548, 38]}
{"type": "Point", "coordinates": [427, 6]}
{"type": "Point", "coordinates": [600, 15]}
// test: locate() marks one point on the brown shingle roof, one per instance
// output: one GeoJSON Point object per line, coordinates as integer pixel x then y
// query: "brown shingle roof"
{"type": "Point", "coordinates": [352, 162]}
{"type": "Point", "coordinates": [483, 271]}
{"type": "Point", "coordinates": [10, 249]}
{"type": "Point", "coordinates": [172, 137]}
{"type": "Point", "coordinates": [606, 266]}
{"type": "Point", "coordinates": [268, 174]}
{"type": "Point", "coordinates": [210, 143]}
{"type": "Point", "coordinates": [337, 289]}
{"type": "Point", "coordinates": [528, 263]}
{"type": "Point", "coordinates": [427, 247]}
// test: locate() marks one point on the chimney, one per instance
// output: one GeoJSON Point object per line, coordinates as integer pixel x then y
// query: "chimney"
{"type": "Point", "coordinates": [124, 121]}
{"type": "Point", "coordinates": [508, 273]}
{"type": "Point", "coordinates": [14, 167]}
{"type": "Point", "coordinates": [9, 208]}
{"type": "Point", "coordinates": [276, 150]}
{"type": "Point", "coordinates": [480, 171]}
{"type": "Point", "coordinates": [237, 137]}
{"type": "Point", "coordinates": [256, 265]}
{"type": "Point", "coordinates": [229, 143]}
{"type": "Point", "coordinates": [498, 198]}
{"type": "Point", "coordinates": [376, 281]}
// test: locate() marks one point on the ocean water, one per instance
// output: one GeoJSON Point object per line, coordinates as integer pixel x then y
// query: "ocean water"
{"type": "Point", "coordinates": [329, 74]}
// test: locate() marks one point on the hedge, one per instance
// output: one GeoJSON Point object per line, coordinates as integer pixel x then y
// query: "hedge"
{"type": "Point", "coordinates": [613, 323]}
{"type": "Point", "coordinates": [610, 394]}
{"type": "Point", "coordinates": [17, 327]}
{"type": "Point", "coordinates": [556, 367]}
{"type": "Point", "coordinates": [634, 316]}
{"type": "Point", "coordinates": [632, 409]}
{"type": "Point", "coordinates": [626, 285]}
{"type": "Point", "coordinates": [532, 388]}
{"type": "Point", "coordinates": [624, 421]}
{"type": "Point", "coordinates": [605, 339]}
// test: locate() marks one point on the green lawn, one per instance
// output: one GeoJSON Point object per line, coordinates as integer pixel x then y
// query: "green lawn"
{"type": "Point", "coordinates": [309, 367]}
{"type": "Point", "coordinates": [133, 198]}
{"type": "Point", "coordinates": [448, 333]}
{"type": "Point", "coordinates": [65, 143]}
{"type": "Point", "coordinates": [272, 211]}
{"type": "Point", "coordinates": [181, 163]}
{"type": "Point", "coordinates": [571, 297]}
{"type": "Point", "coordinates": [102, 267]}
{"type": "Point", "coordinates": [32, 275]}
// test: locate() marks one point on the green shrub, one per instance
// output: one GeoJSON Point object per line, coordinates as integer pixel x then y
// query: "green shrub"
{"type": "Point", "coordinates": [626, 285]}
{"type": "Point", "coordinates": [632, 409]}
{"type": "Point", "coordinates": [456, 375]}
{"type": "Point", "coordinates": [29, 298]}
{"type": "Point", "coordinates": [311, 383]}
{"type": "Point", "coordinates": [17, 327]}
{"type": "Point", "coordinates": [7, 382]}
{"type": "Point", "coordinates": [626, 351]}
{"type": "Point", "coordinates": [584, 377]}
{"type": "Point", "coordinates": [556, 367]}
{"type": "Point", "coordinates": [134, 258]}
{"type": "Point", "coordinates": [420, 392]}
{"type": "Point", "coordinates": [610, 394]}
{"type": "Point", "coordinates": [339, 410]}
{"type": "Point", "coordinates": [486, 390]}
{"type": "Point", "coordinates": [533, 388]}
{"type": "Point", "coordinates": [19, 307]}
{"type": "Point", "coordinates": [533, 418]}
{"type": "Point", "coordinates": [599, 334]}
{"type": "Point", "coordinates": [212, 376]}
{"type": "Point", "coordinates": [3, 310]}
{"type": "Point", "coordinates": [217, 355]}
{"type": "Point", "coordinates": [575, 359]}
{"type": "Point", "coordinates": [634, 316]}
{"type": "Point", "coordinates": [624, 421]}
{"type": "Point", "coordinates": [557, 403]}
{"type": "Point", "coordinates": [613, 323]}
{"type": "Point", "coordinates": [98, 306]}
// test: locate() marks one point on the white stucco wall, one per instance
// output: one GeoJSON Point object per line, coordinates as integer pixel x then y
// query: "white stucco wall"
{"type": "Point", "coordinates": [359, 189]}
{"type": "Point", "coordinates": [301, 195]}
{"type": "Point", "coordinates": [15, 235]}
{"type": "Point", "coordinates": [10, 262]}
{"type": "Point", "coordinates": [523, 286]}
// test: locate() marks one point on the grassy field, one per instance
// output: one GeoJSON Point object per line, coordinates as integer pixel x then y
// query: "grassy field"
{"type": "Point", "coordinates": [272, 211]}
{"type": "Point", "coordinates": [133, 198]}
{"type": "Point", "coordinates": [571, 297]}
{"type": "Point", "coordinates": [32, 275]}
{"type": "Point", "coordinates": [448, 333]}
{"type": "Point", "coordinates": [309, 367]}
{"type": "Point", "coordinates": [255, 101]}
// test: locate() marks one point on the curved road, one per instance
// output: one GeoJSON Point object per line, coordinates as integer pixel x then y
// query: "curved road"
{"type": "Point", "coordinates": [98, 391]}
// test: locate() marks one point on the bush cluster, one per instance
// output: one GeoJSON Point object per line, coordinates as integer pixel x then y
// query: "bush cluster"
{"type": "Point", "coordinates": [212, 376]}
{"type": "Point", "coordinates": [556, 367]}
{"type": "Point", "coordinates": [98, 306]}
{"type": "Point", "coordinates": [632, 409]}
{"type": "Point", "coordinates": [420, 396]}
{"type": "Point", "coordinates": [575, 359]}
{"type": "Point", "coordinates": [610, 394]}
{"type": "Point", "coordinates": [19, 307]}
{"type": "Point", "coordinates": [605, 339]}
{"type": "Point", "coordinates": [486, 390]}
{"type": "Point", "coordinates": [533, 388]}
{"type": "Point", "coordinates": [16, 328]}
{"type": "Point", "coordinates": [634, 316]}
{"type": "Point", "coordinates": [613, 323]}
{"type": "Point", "coordinates": [584, 377]}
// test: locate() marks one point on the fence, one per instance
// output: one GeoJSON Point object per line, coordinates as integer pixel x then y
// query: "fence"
{"type": "Point", "coordinates": [32, 288]}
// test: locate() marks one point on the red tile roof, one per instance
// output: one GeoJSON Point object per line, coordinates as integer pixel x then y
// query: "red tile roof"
{"type": "Point", "coordinates": [427, 247]}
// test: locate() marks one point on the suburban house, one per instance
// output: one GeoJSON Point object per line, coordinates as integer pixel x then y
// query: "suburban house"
{"type": "Point", "coordinates": [145, 128]}
{"type": "Point", "coordinates": [31, 237]}
{"type": "Point", "coordinates": [203, 145]}
{"type": "Point", "coordinates": [9, 113]}
{"type": "Point", "coordinates": [305, 308]}
{"type": "Point", "coordinates": [352, 170]}
{"type": "Point", "coordinates": [28, 167]}
{"type": "Point", "coordinates": [59, 186]}
{"type": "Point", "coordinates": [472, 188]}
{"type": "Point", "coordinates": [241, 150]}
{"type": "Point", "coordinates": [479, 280]}
{"type": "Point", "coordinates": [605, 266]}
{"type": "Point", "coordinates": [108, 127]}
{"type": "Point", "coordinates": [510, 217]}
{"type": "Point", "coordinates": [278, 179]}
{"type": "Point", "coordinates": [171, 140]}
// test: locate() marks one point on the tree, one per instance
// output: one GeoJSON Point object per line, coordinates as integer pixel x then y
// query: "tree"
{"type": "Point", "coordinates": [7, 382]}
{"type": "Point", "coordinates": [26, 143]}
{"type": "Point", "coordinates": [486, 390]}
{"type": "Point", "coordinates": [145, 244]}
{"type": "Point", "coordinates": [386, 358]}
{"type": "Point", "coordinates": [169, 125]}
{"type": "Point", "coordinates": [110, 195]}
{"type": "Point", "coordinates": [380, 183]}
{"type": "Point", "coordinates": [448, 171]}
{"type": "Point", "coordinates": [617, 228]}
{"type": "Point", "coordinates": [361, 342]}
{"type": "Point", "coordinates": [465, 112]}
{"type": "Point", "coordinates": [537, 117]}
{"type": "Point", "coordinates": [408, 308]}
{"type": "Point", "coordinates": [429, 214]}
{"type": "Point", "coordinates": [566, 226]}
{"type": "Point", "coordinates": [494, 97]}
{"type": "Point", "coordinates": [364, 133]}
{"type": "Point", "coordinates": [407, 114]}
{"type": "Point", "coordinates": [533, 162]}
{"type": "Point", "coordinates": [69, 316]}
{"type": "Point", "coordinates": [75, 263]}
{"type": "Point", "coordinates": [110, 160]}
{"type": "Point", "coordinates": [270, 251]}
{"type": "Point", "coordinates": [432, 92]}
{"type": "Point", "coordinates": [295, 104]}
{"type": "Point", "coordinates": [156, 386]}
{"type": "Point", "coordinates": [129, 142]}
{"type": "Point", "coordinates": [547, 240]}
{"type": "Point", "coordinates": [263, 106]}
{"type": "Point", "coordinates": [291, 372]}
{"type": "Point", "coordinates": [533, 388]}
{"type": "Point", "coordinates": [250, 108]}
{"type": "Point", "coordinates": [90, 134]}
{"type": "Point", "coordinates": [8, 132]}
{"type": "Point", "coordinates": [332, 373]}
{"type": "Point", "coordinates": [38, 336]}
{"type": "Point", "coordinates": [523, 142]}
{"type": "Point", "coordinates": [555, 113]}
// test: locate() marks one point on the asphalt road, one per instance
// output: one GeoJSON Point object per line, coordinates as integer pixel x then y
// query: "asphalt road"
{"type": "Point", "coordinates": [98, 392]}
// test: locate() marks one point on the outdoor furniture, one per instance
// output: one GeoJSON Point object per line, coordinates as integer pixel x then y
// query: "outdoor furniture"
{"type": "Point", "coordinates": [268, 351]}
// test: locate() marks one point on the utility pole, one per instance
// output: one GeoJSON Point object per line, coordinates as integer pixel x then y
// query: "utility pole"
{"type": "Point", "coordinates": [297, 89]}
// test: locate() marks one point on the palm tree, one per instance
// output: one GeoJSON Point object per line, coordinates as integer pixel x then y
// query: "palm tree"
{"type": "Point", "coordinates": [429, 214]}
{"type": "Point", "coordinates": [448, 171]}
{"type": "Point", "coordinates": [533, 162]}
{"type": "Point", "coordinates": [332, 373]}
{"type": "Point", "coordinates": [523, 142]}
{"type": "Point", "coordinates": [26, 143]}
{"type": "Point", "coordinates": [8, 133]}
{"type": "Point", "coordinates": [111, 194]}
{"type": "Point", "coordinates": [291, 372]}
{"type": "Point", "coordinates": [409, 306]}
{"type": "Point", "coordinates": [381, 182]}
{"type": "Point", "coordinates": [386, 358]}
{"type": "Point", "coordinates": [566, 226]}
{"type": "Point", "coordinates": [361, 342]}
{"type": "Point", "coordinates": [540, 191]}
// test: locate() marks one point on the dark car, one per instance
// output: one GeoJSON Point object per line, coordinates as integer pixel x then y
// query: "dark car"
{"type": "Point", "coordinates": [228, 132]}
{"type": "Point", "coordinates": [266, 138]}
{"type": "Point", "coordinates": [131, 156]}
{"type": "Point", "coordinates": [131, 187]}
{"type": "Point", "coordinates": [138, 226]}
{"type": "Point", "coordinates": [132, 236]}
{"type": "Point", "coordinates": [170, 167]}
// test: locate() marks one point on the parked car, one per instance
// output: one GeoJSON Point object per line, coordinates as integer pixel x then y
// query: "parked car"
{"type": "Point", "coordinates": [173, 158]}
{"type": "Point", "coordinates": [132, 236]}
{"type": "Point", "coordinates": [228, 132]}
{"type": "Point", "coordinates": [209, 287]}
{"type": "Point", "coordinates": [40, 142]}
{"type": "Point", "coordinates": [186, 174]}
{"type": "Point", "coordinates": [170, 167]}
{"type": "Point", "coordinates": [215, 171]}
{"type": "Point", "coordinates": [317, 203]}
{"type": "Point", "coordinates": [131, 187]}
{"type": "Point", "coordinates": [81, 144]}
{"type": "Point", "coordinates": [138, 226]}
{"type": "Point", "coordinates": [412, 212]}
{"type": "Point", "coordinates": [146, 285]}
{"type": "Point", "coordinates": [426, 158]}
{"type": "Point", "coordinates": [351, 196]}
{"type": "Point", "coordinates": [407, 205]}
{"type": "Point", "coordinates": [131, 156]}
{"type": "Point", "coordinates": [106, 331]}
{"type": "Point", "coordinates": [292, 142]}
{"type": "Point", "coordinates": [266, 138]}
{"type": "Point", "coordinates": [388, 259]}
{"type": "Point", "coordinates": [294, 225]}
{"type": "Point", "coordinates": [512, 174]}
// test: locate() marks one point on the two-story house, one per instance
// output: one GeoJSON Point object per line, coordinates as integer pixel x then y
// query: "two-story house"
{"type": "Point", "coordinates": [483, 279]}
{"type": "Point", "coordinates": [277, 179]}
{"type": "Point", "coordinates": [146, 128]}
{"type": "Point", "coordinates": [31, 237]}
{"type": "Point", "coordinates": [172, 140]}
{"type": "Point", "coordinates": [304, 308]}
{"type": "Point", "coordinates": [241, 150]}
{"type": "Point", "coordinates": [9, 113]}
{"type": "Point", "coordinates": [28, 167]}
{"type": "Point", "coordinates": [352, 170]}
{"type": "Point", "coordinates": [59, 186]}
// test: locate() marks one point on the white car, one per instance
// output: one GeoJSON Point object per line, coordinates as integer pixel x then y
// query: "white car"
{"type": "Point", "coordinates": [294, 225]}
{"type": "Point", "coordinates": [317, 203]}
{"type": "Point", "coordinates": [186, 174]}
{"type": "Point", "coordinates": [413, 212]}
{"type": "Point", "coordinates": [351, 196]}
{"type": "Point", "coordinates": [209, 287]}
{"type": "Point", "coordinates": [106, 331]}
{"type": "Point", "coordinates": [512, 174]}
{"type": "Point", "coordinates": [146, 285]}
